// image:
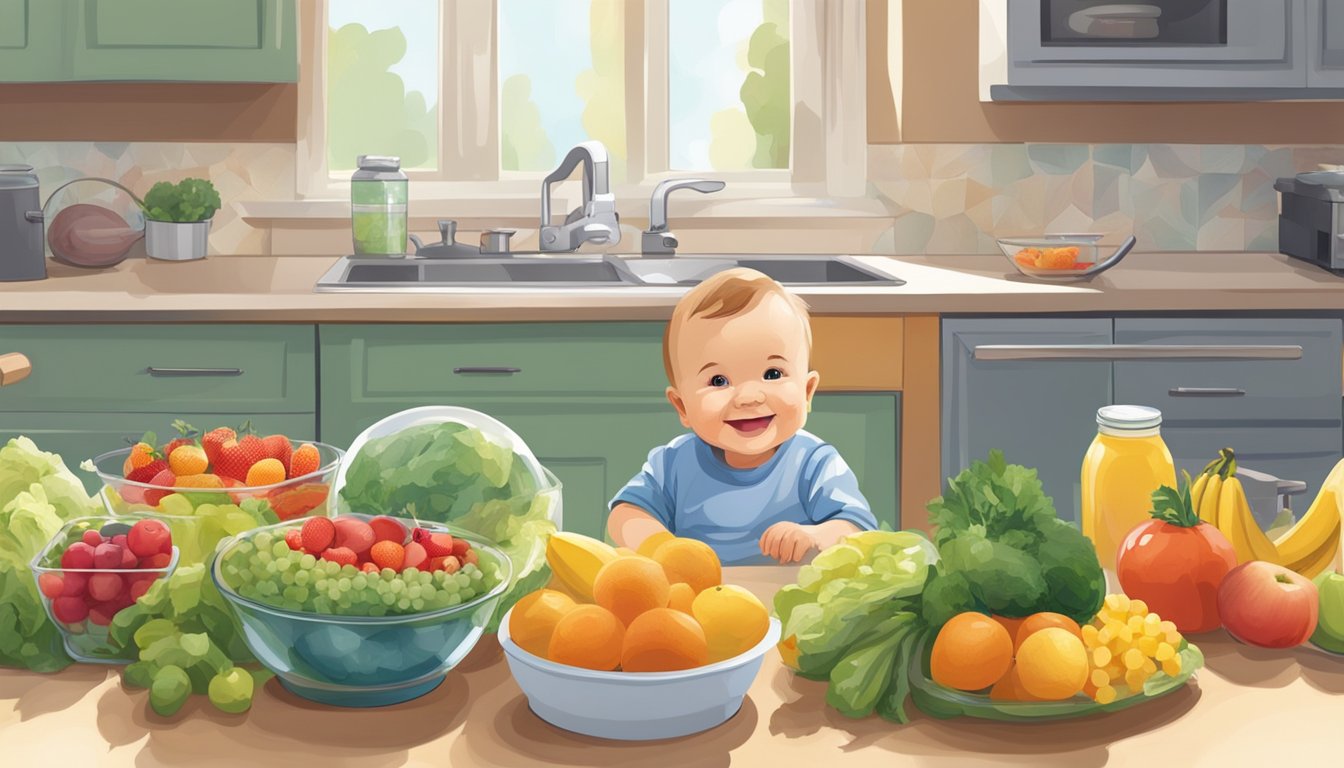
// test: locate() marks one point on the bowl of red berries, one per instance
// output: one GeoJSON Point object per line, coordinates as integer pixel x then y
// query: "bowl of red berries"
{"type": "Point", "coordinates": [219, 483]}
{"type": "Point", "coordinates": [360, 610]}
{"type": "Point", "coordinates": [93, 569]}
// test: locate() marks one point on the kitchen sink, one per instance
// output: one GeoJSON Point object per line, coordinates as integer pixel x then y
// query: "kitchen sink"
{"type": "Point", "coordinates": [532, 270]}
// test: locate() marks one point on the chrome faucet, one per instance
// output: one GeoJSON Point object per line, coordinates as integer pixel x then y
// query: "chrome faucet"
{"type": "Point", "coordinates": [656, 238]}
{"type": "Point", "coordinates": [596, 221]}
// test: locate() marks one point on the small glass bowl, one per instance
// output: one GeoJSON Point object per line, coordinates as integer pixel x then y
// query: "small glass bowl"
{"type": "Point", "coordinates": [200, 517]}
{"type": "Point", "coordinates": [1062, 256]}
{"type": "Point", "coordinates": [87, 640]}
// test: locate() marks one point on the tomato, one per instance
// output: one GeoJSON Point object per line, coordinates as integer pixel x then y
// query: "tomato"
{"type": "Point", "coordinates": [1176, 571]}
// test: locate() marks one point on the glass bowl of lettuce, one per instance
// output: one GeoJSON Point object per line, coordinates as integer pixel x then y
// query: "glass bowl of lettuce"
{"type": "Point", "coordinates": [463, 468]}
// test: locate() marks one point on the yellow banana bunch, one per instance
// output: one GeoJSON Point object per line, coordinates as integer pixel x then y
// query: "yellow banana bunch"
{"type": "Point", "coordinates": [1311, 546]}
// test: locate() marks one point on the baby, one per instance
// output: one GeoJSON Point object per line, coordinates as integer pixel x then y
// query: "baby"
{"type": "Point", "coordinates": [747, 480]}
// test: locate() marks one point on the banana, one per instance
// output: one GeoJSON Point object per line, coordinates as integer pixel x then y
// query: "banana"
{"type": "Point", "coordinates": [1197, 489]}
{"type": "Point", "coordinates": [1261, 548]}
{"type": "Point", "coordinates": [1321, 521]}
{"type": "Point", "coordinates": [1208, 502]}
{"type": "Point", "coordinates": [1323, 559]}
{"type": "Point", "coordinates": [1230, 523]}
{"type": "Point", "coordinates": [575, 561]}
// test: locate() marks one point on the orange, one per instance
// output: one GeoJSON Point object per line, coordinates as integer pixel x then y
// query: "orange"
{"type": "Point", "coordinates": [1052, 664]}
{"type": "Point", "coordinates": [533, 619]}
{"type": "Point", "coordinates": [651, 544]}
{"type": "Point", "coordinates": [1009, 688]}
{"type": "Point", "coordinates": [734, 620]}
{"type": "Point", "coordinates": [588, 636]}
{"type": "Point", "coordinates": [188, 460]}
{"type": "Point", "coordinates": [662, 640]}
{"type": "Point", "coordinates": [680, 597]}
{"type": "Point", "coordinates": [972, 652]}
{"type": "Point", "coordinates": [264, 472]}
{"type": "Point", "coordinates": [1044, 620]}
{"type": "Point", "coordinates": [691, 561]}
{"type": "Point", "coordinates": [1010, 624]}
{"type": "Point", "coordinates": [629, 586]}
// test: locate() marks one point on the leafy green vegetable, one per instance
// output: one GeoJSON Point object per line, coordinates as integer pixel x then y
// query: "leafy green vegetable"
{"type": "Point", "coordinates": [188, 200]}
{"type": "Point", "coordinates": [1001, 542]}
{"type": "Point", "coordinates": [457, 474]}
{"type": "Point", "coordinates": [38, 494]}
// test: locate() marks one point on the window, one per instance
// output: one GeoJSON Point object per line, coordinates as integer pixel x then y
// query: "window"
{"type": "Point", "coordinates": [471, 91]}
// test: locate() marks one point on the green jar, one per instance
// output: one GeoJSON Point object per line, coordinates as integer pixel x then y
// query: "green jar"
{"type": "Point", "coordinates": [378, 194]}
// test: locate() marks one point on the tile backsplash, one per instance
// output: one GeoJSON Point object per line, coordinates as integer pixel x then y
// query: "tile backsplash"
{"type": "Point", "coordinates": [945, 198]}
{"type": "Point", "coordinates": [955, 198]}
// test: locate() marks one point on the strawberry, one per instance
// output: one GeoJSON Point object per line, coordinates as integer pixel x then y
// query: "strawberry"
{"type": "Point", "coordinates": [342, 555]}
{"type": "Point", "coordinates": [304, 460]}
{"type": "Point", "coordinates": [435, 544]}
{"type": "Point", "coordinates": [369, 568]}
{"type": "Point", "coordinates": [318, 533]}
{"type": "Point", "coordinates": [236, 457]}
{"type": "Point", "coordinates": [214, 439]}
{"type": "Point", "coordinates": [460, 548]}
{"type": "Point", "coordinates": [294, 538]}
{"type": "Point", "coordinates": [388, 554]}
{"type": "Point", "coordinates": [277, 447]}
{"type": "Point", "coordinates": [163, 482]}
{"type": "Point", "coordinates": [146, 472]}
{"type": "Point", "coordinates": [142, 453]}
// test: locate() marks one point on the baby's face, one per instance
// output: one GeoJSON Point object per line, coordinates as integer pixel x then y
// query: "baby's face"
{"type": "Point", "coordinates": [742, 383]}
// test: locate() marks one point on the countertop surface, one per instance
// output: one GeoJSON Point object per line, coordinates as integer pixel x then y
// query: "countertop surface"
{"type": "Point", "coordinates": [1248, 706]}
{"type": "Point", "coordinates": [280, 289]}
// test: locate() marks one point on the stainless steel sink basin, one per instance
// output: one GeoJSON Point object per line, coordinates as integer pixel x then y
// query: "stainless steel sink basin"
{"type": "Point", "coordinates": [427, 275]}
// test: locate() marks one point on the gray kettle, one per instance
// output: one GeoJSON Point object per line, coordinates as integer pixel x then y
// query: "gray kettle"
{"type": "Point", "coordinates": [22, 244]}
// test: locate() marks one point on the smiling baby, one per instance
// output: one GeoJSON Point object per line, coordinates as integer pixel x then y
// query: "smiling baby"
{"type": "Point", "coordinates": [747, 480]}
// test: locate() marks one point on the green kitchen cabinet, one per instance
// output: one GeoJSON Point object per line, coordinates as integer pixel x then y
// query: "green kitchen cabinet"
{"type": "Point", "coordinates": [587, 398]}
{"type": "Point", "coordinates": [79, 436]}
{"type": "Point", "coordinates": [30, 40]}
{"type": "Point", "coordinates": [149, 40]}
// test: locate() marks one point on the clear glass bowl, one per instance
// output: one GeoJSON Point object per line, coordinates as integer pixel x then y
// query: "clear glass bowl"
{"type": "Point", "coordinates": [87, 640]}
{"type": "Point", "coordinates": [635, 706]}
{"type": "Point", "coordinates": [361, 661]}
{"type": "Point", "coordinates": [199, 517]}
{"type": "Point", "coordinates": [1053, 256]}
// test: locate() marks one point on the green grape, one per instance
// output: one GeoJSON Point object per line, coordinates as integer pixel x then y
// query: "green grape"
{"type": "Point", "coordinates": [231, 690]}
{"type": "Point", "coordinates": [307, 561]}
{"type": "Point", "coordinates": [139, 674]}
{"type": "Point", "coordinates": [170, 690]}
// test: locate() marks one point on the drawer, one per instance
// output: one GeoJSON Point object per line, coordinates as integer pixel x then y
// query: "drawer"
{"type": "Point", "coordinates": [163, 368]}
{"type": "Point", "coordinates": [1289, 454]}
{"type": "Point", "coordinates": [413, 363]}
{"type": "Point", "coordinates": [80, 436]}
{"type": "Point", "coordinates": [1303, 392]}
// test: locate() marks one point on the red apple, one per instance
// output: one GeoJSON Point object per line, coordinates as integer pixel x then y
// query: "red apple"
{"type": "Point", "coordinates": [1268, 605]}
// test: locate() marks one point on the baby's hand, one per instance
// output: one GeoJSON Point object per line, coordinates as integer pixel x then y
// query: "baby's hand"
{"type": "Point", "coordinates": [787, 542]}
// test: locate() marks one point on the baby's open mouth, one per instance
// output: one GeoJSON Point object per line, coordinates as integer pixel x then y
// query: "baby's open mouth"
{"type": "Point", "coordinates": [753, 426]}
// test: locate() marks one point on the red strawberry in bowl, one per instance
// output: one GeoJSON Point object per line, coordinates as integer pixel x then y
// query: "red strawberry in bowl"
{"type": "Point", "coordinates": [213, 440]}
{"type": "Point", "coordinates": [278, 447]}
{"type": "Point", "coordinates": [237, 456]}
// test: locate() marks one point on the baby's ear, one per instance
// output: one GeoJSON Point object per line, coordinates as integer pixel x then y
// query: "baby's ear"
{"type": "Point", "coordinates": [813, 380]}
{"type": "Point", "coordinates": [674, 398]}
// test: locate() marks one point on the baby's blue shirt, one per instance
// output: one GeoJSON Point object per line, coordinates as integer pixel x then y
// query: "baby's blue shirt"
{"type": "Point", "coordinates": [688, 488]}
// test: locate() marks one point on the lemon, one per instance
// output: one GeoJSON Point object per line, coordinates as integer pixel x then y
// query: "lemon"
{"type": "Point", "coordinates": [1052, 664]}
{"type": "Point", "coordinates": [733, 619]}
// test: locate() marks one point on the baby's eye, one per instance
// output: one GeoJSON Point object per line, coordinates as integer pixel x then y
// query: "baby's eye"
{"type": "Point", "coordinates": [773, 373]}
{"type": "Point", "coordinates": [718, 380]}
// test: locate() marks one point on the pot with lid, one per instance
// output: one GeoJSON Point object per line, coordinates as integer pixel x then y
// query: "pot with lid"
{"type": "Point", "coordinates": [22, 244]}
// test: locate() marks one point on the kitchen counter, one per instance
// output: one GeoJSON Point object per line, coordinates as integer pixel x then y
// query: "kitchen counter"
{"type": "Point", "coordinates": [280, 289]}
{"type": "Point", "coordinates": [1248, 707]}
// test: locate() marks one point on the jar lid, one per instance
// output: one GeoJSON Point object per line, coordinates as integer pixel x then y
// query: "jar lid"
{"type": "Point", "coordinates": [378, 168]}
{"type": "Point", "coordinates": [1129, 417]}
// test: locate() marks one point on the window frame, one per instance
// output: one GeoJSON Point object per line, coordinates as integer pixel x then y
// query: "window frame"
{"type": "Point", "coordinates": [828, 135]}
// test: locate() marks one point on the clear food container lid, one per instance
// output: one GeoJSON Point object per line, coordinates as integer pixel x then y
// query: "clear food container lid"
{"type": "Point", "coordinates": [1129, 417]}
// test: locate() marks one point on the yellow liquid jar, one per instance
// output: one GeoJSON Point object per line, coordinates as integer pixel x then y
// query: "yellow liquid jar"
{"type": "Point", "coordinates": [1126, 462]}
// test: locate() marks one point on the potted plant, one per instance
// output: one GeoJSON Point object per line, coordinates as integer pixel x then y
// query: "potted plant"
{"type": "Point", "coordinates": [177, 219]}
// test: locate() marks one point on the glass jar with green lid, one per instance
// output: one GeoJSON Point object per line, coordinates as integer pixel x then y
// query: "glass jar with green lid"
{"type": "Point", "coordinates": [378, 195]}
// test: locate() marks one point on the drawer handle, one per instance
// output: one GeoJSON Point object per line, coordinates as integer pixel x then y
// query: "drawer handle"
{"type": "Point", "coordinates": [1206, 392]}
{"type": "Point", "coordinates": [156, 371]}
{"type": "Point", "coordinates": [1136, 352]}
{"type": "Point", "coordinates": [489, 369]}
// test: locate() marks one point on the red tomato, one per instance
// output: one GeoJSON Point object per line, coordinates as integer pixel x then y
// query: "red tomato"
{"type": "Point", "coordinates": [1176, 571]}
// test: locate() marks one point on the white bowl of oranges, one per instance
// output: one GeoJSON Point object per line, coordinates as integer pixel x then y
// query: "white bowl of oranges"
{"type": "Point", "coordinates": [635, 646]}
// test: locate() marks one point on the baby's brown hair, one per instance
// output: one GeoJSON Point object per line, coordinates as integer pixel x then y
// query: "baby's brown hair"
{"type": "Point", "coordinates": [727, 294]}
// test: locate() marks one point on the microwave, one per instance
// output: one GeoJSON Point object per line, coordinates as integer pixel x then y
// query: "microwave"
{"type": "Point", "coordinates": [1156, 44]}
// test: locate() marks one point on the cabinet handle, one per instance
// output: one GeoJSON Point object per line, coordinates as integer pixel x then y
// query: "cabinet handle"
{"type": "Point", "coordinates": [156, 371]}
{"type": "Point", "coordinates": [1136, 352]}
{"type": "Point", "coordinates": [495, 369]}
{"type": "Point", "coordinates": [14, 367]}
{"type": "Point", "coordinates": [1206, 392]}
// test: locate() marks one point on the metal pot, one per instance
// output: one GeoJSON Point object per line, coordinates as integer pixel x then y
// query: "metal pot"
{"type": "Point", "coordinates": [22, 245]}
{"type": "Point", "coordinates": [177, 240]}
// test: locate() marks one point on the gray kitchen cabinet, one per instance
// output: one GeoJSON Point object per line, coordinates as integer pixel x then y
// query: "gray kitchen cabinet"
{"type": "Point", "coordinates": [1325, 31]}
{"type": "Point", "coordinates": [1281, 416]}
{"type": "Point", "coordinates": [1040, 412]}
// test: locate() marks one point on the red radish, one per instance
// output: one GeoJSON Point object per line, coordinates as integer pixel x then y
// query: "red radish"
{"type": "Point", "coordinates": [140, 587]}
{"type": "Point", "coordinates": [149, 537]}
{"type": "Point", "coordinates": [102, 613]}
{"type": "Point", "coordinates": [78, 555]}
{"type": "Point", "coordinates": [107, 555]}
{"type": "Point", "coordinates": [73, 584]}
{"type": "Point", "coordinates": [51, 585]}
{"type": "Point", "coordinates": [156, 562]}
{"type": "Point", "coordinates": [69, 610]}
{"type": "Point", "coordinates": [105, 586]}
{"type": "Point", "coordinates": [92, 538]}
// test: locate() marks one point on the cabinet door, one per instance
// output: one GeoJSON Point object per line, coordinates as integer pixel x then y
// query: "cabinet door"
{"type": "Point", "coordinates": [191, 40]}
{"type": "Point", "coordinates": [79, 436]}
{"type": "Point", "coordinates": [30, 40]}
{"type": "Point", "coordinates": [865, 429]}
{"type": "Point", "coordinates": [1325, 31]}
{"type": "Point", "coordinates": [1040, 412]}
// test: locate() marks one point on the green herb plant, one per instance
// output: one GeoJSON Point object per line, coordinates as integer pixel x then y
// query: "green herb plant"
{"type": "Point", "coordinates": [187, 201]}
